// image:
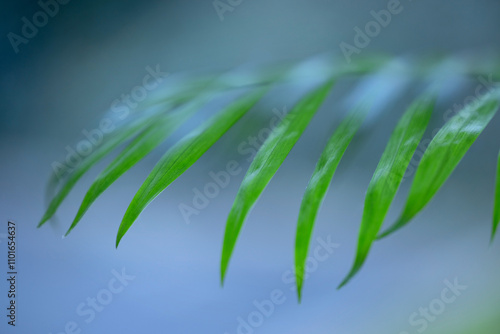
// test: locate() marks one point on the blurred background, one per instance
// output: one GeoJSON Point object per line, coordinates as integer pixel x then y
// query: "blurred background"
{"type": "Point", "coordinates": [64, 79]}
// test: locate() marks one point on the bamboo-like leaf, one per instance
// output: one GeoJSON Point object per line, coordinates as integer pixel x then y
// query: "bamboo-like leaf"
{"type": "Point", "coordinates": [319, 184]}
{"type": "Point", "coordinates": [388, 175]}
{"type": "Point", "coordinates": [444, 153]}
{"type": "Point", "coordinates": [108, 145]}
{"type": "Point", "coordinates": [183, 155]}
{"type": "Point", "coordinates": [265, 164]}
{"type": "Point", "coordinates": [496, 204]}
{"type": "Point", "coordinates": [141, 146]}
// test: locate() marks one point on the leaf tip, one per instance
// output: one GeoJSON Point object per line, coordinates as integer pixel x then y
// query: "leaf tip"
{"type": "Point", "coordinates": [222, 276]}
{"type": "Point", "coordinates": [42, 222]}
{"type": "Point", "coordinates": [344, 282]}
{"type": "Point", "coordinates": [118, 239]}
{"type": "Point", "coordinates": [492, 238]}
{"type": "Point", "coordinates": [67, 232]}
{"type": "Point", "coordinates": [223, 270]}
{"type": "Point", "coordinates": [358, 263]}
{"type": "Point", "coordinates": [299, 294]}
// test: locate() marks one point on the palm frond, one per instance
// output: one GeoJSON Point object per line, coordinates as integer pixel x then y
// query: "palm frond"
{"type": "Point", "coordinates": [152, 127]}
{"type": "Point", "coordinates": [388, 175]}
{"type": "Point", "coordinates": [141, 146]}
{"type": "Point", "coordinates": [319, 183]}
{"type": "Point", "coordinates": [444, 153]}
{"type": "Point", "coordinates": [184, 154]}
{"type": "Point", "coordinates": [121, 136]}
{"type": "Point", "coordinates": [265, 164]}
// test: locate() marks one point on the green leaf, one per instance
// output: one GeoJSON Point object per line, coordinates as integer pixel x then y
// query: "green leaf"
{"type": "Point", "coordinates": [444, 153]}
{"type": "Point", "coordinates": [389, 174]}
{"type": "Point", "coordinates": [183, 155]}
{"type": "Point", "coordinates": [265, 164]}
{"type": "Point", "coordinates": [120, 136]}
{"type": "Point", "coordinates": [141, 146]}
{"type": "Point", "coordinates": [496, 205]}
{"type": "Point", "coordinates": [318, 186]}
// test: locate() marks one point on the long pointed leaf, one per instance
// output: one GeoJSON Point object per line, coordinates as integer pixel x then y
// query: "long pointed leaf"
{"type": "Point", "coordinates": [117, 138]}
{"type": "Point", "coordinates": [265, 164]}
{"type": "Point", "coordinates": [496, 205]}
{"type": "Point", "coordinates": [444, 153]}
{"type": "Point", "coordinates": [318, 187]}
{"type": "Point", "coordinates": [389, 174]}
{"type": "Point", "coordinates": [183, 155]}
{"type": "Point", "coordinates": [141, 146]}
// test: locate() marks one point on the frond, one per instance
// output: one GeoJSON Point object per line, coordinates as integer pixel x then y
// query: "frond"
{"type": "Point", "coordinates": [161, 115]}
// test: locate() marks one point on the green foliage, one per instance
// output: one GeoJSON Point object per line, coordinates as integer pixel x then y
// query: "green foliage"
{"type": "Point", "coordinates": [388, 175]}
{"type": "Point", "coordinates": [318, 186]}
{"type": "Point", "coordinates": [444, 153]}
{"type": "Point", "coordinates": [143, 144]}
{"type": "Point", "coordinates": [496, 204]}
{"type": "Point", "coordinates": [183, 155]}
{"type": "Point", "coordinates": [150, 128]}
{"type": "Point", "coordinates": [122, 135]}
{"type": "Point", "coordinates": [266, 163]}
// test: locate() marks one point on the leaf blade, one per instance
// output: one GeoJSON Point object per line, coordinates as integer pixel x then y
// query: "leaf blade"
{"type": "Point", "coordinates": [184, 154]}
{"type": "Point", "coordinates": [496, 205]}
{"type": "Point", "coordinates": [444, 153]}
{"type": "Point", "coordinates": [318, 187]}
{"type": "Point", "coordinates": [141, 146]}
{"type": "Point", "coordinates": [124, 134]}
{"type": "Point", "coordinates": [265, 164]}
{"type": "Point", "coordinates": [389, 174]}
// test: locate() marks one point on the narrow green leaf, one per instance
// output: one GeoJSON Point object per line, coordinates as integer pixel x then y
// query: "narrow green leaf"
{"type": "Point", "coordinates": [267, 161]}
{"type": "Point", "coordinates": [183, 155]}
{"type": "Point", "coordinates": [108, 145]}
{"type": "Point", "coordinates": [496, 205]}
{"type": "Point", "coordinates": [319, 184]}
{"type": "Point", "coordinates": [141, 146]}
{"type": "Point", "coordinates": [389, 174]}
{"type": "Point", "coordinates": [444, 153]}
{"type": "Point", "coordinates": [51, 187]}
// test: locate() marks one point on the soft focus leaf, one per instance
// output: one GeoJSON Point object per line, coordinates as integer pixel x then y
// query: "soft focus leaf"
{"type": "Point", "coordinates": [444, 153]}
{"type": "Point", "coordinates": [318, 186]}
{"type": "Point", "coordinates": [388, 175]}
{"type": "Point", "coordinates": [266, 162]}
{"type": "Point", "coordinates": [184, 154]}
{"type": "Point", "coordinates": [142, 145]}
{"type": "Point", "coordinates": [109, 144]}
{"type": "Point", "coordinates": [496, 205]}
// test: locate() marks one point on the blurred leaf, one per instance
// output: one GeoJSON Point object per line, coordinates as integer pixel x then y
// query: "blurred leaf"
{"type": "Point", "coordinates": [318, 186]}
{"type": "Point", "coordinates": [496, 207]}
{"type": "Point", "coordinates": [444, 153]}
{"type": "Point", "coordinates": [109, 144]}
{"type": "Point", "coordinates": [184, 154]}
{"type": "Point", "coordinates": [265, 164]}
{"type": "Point", "coordinates": [388, 175]}
{"type": "Point", "coordinates": [141, 146]}
{"type": "Point", "coordinates": [438, 162]}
